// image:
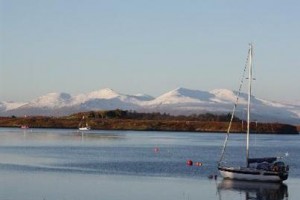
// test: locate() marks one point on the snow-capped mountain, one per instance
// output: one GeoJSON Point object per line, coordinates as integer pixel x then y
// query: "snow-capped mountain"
{"type": "Point", "coordinates": [51, 100]}
{"type": "Point", "coordinates": [178, 101]}
{"type": "Point", "coordinates": [9, 105]}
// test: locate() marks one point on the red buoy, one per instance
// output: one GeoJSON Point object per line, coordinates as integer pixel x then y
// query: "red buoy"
{"type": "Point", "coordinates": [189, 162]}
{"type": "Point", "coordinates": [156, 149]}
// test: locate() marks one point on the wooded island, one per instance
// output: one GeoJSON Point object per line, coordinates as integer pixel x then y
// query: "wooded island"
{"type": "Point", "coordinates": [131, 120]}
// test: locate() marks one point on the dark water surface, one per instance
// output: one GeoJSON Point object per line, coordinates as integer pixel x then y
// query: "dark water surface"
{"type": "Point", "coordinates": [67, 164]}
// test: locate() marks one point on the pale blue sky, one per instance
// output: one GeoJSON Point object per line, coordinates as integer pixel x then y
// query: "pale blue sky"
{"type": "Point", "coordinates": [139, 46]}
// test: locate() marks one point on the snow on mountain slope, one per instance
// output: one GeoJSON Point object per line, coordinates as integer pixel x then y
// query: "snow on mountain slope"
{"type": "Point", "coordinates": [182, 96]}
{"type": "Point", "coordinates": [10, 105]}
{"type": "Point", "coordinates": [51, 100]}
{"type": "Point", "coordinates": [105, 93]}
{"type": "Point", "coordinates": [296, 110]}
{"type": "Point", "coordinates": [227, 96]}
{"type": "Point", "coordinates": [187, 96]}
{"type": "Point", "coordinates": [63, 103]}
{"type": "Point", "coordinates": [106, 99]}
{"type": "Point", "coordinates": [187, 101]}
{"type": "Point", "coordinates": [179, 101]}
{"type": "Point", "coordinates": [143, 97]}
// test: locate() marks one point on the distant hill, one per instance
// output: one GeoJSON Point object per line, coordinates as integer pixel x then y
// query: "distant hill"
{"type": "Point", "coordinates": [181, 101]}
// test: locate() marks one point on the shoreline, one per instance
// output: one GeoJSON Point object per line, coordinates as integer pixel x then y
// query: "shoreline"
{"type": "Point", "coordinates": [153, 130]}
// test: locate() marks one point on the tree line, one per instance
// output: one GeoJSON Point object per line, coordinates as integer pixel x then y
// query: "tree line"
{"type": "Point", "coordinates": [127, 114]}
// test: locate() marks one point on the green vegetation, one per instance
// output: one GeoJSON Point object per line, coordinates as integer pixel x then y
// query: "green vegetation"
{"type": "Point", "coordinates": [131, 120]}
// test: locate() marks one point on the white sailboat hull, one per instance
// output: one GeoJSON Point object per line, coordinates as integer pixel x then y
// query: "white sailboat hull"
{"type": "Point", "coordinates": [84, 128]}
{"type": "Point", "coordinates": [249, 174]}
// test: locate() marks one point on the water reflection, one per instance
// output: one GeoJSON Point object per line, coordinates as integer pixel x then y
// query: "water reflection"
{"type": "Point", "coordinates": [52, 135]}
{"type": "Point", "coordinates": [98, 136]}
{"type": "Point", "coordinates": [254, 190]}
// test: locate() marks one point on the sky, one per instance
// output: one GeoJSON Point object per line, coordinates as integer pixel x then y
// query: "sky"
{"type": "Point", "coordinates": [151, 47]}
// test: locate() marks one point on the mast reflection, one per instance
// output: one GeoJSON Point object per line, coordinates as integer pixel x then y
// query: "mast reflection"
{"type": "Point", "coordinates": [254, 190]}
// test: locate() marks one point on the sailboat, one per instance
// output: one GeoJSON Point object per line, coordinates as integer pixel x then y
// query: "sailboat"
{"type": "Point", "coordinates": [83, 125]}
{"type": "Point", "coordinates": [268, 169]}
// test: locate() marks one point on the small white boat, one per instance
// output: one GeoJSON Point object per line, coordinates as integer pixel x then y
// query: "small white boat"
{"type": "Point", "coordinates": [269, 169]}
{"type": "Point", "coordinates": [84, 128]}
{"type": "Point", "coordinates": [83, 125]}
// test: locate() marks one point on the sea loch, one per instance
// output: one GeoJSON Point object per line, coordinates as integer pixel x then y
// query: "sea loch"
{"type": "Point", "coordinates": [68, 164]}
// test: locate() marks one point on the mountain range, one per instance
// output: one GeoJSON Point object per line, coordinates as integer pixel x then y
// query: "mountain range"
{"type": "Point", "coordinates": [181, 101]}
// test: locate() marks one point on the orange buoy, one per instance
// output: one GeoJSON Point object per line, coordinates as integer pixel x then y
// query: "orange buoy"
{"type": "Point", "coordinates": [199, 164]}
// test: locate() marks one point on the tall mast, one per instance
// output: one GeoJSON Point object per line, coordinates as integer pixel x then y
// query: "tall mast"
{"type": "Point", "coordinates": [249, 99]}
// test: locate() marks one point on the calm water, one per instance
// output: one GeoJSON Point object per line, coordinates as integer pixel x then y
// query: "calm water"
{"type": "Point", "coordinates": [67, 164]}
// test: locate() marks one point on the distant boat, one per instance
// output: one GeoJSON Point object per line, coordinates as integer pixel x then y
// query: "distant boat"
{"type": "Point", "coordinates": [268, 169]}
{"type": "Point", "coordinates": [24, 126]}
{"type": "Point", "coordinates": [83, 125]}
{"type": "Point", "coordinates": [85, 128]}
